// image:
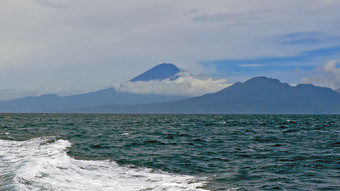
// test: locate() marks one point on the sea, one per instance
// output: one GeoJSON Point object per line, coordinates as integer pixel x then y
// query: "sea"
{"type": "Point", "coordinates": [161, 152]}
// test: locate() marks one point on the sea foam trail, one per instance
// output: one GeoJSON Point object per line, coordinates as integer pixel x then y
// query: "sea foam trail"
{"type": "Point", "coordinates": [43, 164]}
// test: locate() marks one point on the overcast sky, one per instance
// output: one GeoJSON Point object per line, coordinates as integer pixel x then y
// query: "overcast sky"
{"type": "Point", "coordinates": [74, 46]}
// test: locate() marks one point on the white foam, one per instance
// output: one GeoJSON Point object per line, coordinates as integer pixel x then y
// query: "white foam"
{"type": "Point", "coordinates": [43, 164]}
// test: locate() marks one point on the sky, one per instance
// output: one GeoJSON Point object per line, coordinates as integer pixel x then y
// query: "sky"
{"type": "Point", "coordinates": [74, 46]}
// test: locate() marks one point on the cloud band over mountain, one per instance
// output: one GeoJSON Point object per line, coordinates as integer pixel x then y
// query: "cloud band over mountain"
{"type": "Point", "coordinates": [327, 76]}
{"type": "Point", "coordinates": [186, 84]}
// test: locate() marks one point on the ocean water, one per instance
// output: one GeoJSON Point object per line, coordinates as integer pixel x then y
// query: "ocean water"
{"type": "Point", "coordinates": [169, 152]}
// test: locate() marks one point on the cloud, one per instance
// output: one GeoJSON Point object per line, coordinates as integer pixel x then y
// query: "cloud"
{"type": "Point", "coordinates": [50, 3]}
{"type": "Point", "coordinates": [327, 76]}
{"type": "Point", "coordinates": [186, 84]}
{"type": "Point", "coordinates": [250, 65]}
{"type": "Point", "coordinates": [242, 17]}
{"type": "Point", "coordinates": [305, 61]}
{"type": "Point", "coordinates": [300, 38]}
{"type": "Point", "coordinates": [307, 38]}
{"type": "Point", "coordinates": [94, 44]}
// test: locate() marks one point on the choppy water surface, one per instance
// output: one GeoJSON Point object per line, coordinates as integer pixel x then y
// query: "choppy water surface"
{"type": "Point", "coordinates": [169, 152]}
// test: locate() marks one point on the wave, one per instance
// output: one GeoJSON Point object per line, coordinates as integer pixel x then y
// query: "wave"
{"type": "Point", "coordinates": [43, 164]}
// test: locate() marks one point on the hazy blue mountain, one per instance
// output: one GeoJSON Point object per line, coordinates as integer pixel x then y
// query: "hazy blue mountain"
{"type": "Point", "coordinates": [338, 90]}
{"type": "Point", "coordinates": [256, 96]}
{"type": "Point", "coordinates": [159, 72]}
{"type": "Point", "coordinates": [55, 103]}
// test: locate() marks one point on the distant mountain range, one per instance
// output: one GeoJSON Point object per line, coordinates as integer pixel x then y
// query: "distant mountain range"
{"type": "Point", "coordinates": [259, 95]}
{"type": "Point", "coordinates": [55, 103]}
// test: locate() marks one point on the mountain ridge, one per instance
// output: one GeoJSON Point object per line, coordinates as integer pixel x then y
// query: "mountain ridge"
{"type": "Point", "coordinates": [259, 95]}
{"type": "Point", "coordinates": [55, 103]}
{"type": "Point", "coordinates": [159, 72]}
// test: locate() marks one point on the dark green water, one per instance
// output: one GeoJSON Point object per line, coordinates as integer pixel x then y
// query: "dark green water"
{"type": "Point", "coordinates": [193, 152]}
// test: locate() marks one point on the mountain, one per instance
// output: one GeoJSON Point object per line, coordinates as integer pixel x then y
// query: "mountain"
{"type": "Point", "coordinates": [338, 90]}
{"type": "Point", "coordinates": [159, 72]}
{"type": "Point", "coordinates": [55, 103]}
{"type": "Point", "coordinates": [259, 95]}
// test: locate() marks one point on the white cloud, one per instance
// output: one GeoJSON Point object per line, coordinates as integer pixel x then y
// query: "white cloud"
{"type": "Point", "coordinates": [185, 84]}
{"type": "Point", "coordinates": [54, 4]}
{"type": "Point", "coordinates": [327, 76]}
{"type": "Point", "coordinates": [92, 44]}
{"type": "Point", "coordinates": [250, 65]}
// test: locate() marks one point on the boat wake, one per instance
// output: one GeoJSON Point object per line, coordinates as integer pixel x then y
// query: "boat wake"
{"type": "Point", "coordinates": [43, 164]}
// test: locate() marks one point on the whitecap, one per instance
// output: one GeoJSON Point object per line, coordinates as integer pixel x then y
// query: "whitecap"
{"type": "Point", "coordinates": [43, 164]}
